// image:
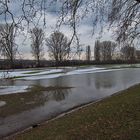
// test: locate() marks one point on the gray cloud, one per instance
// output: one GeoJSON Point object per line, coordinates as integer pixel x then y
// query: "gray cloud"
{"type": "Point", "coordinates": [84, 30]}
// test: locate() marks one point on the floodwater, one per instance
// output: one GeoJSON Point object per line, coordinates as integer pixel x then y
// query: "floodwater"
{"type": "Point", "coordinates": [22, 110]}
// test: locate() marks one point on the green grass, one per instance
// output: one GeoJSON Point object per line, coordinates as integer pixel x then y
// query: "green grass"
{"type": "Point", "coordinates": [33, 72]}
{"type": "Point", "coordinates": [114, 118]}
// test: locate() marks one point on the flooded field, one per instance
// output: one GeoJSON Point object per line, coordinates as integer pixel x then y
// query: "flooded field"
{"type": "Point", "coordinates": [31, 97]}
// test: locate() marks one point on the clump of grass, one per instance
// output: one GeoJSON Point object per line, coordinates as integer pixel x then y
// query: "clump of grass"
{"type": "Point", "coordinates": [117, 118]}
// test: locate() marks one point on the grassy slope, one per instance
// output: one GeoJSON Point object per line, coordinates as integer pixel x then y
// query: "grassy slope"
{"type": "Point", "coordinates": [115, 118]}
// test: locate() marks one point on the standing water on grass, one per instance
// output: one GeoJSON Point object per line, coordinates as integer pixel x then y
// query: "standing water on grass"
{"type": "Point", "coordinates": [29, 98]}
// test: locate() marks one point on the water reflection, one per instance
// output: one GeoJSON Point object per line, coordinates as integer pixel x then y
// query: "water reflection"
{"type": "Point", "coordinates": [61, 88]}
{"type": "Point", "coordinates": [59, 94]}
{"type": "Point", "coordinates": [7, 82]}
{"type": "Point", "coordinates": [107, 80]}
{"type": "Point", "coordinates": [89, 79]}
{"type": "Point", "coordinates": [54, 96]}
{"type": "Point", "coordinates": [60, 82]}
{"type": "Point", "coordinates": [37, 83]}
{"type": "Point", "coordinates": [20, 102]}
{"type": "Point", "coordinates": [37, 96]}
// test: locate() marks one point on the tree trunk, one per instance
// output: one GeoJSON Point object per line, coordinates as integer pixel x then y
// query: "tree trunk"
{"type": "Point", "coordinates": [12, 63]}
{"type": "Point", "coordinates": [38, 61]}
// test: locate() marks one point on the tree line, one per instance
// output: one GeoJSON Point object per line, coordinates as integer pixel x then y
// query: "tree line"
{"type": "Point", "coordinates": [122, 16]}
{"type": "Point", "coordinates": [59, 47]}
{"type": "Point", "coordinates": [108, 51]}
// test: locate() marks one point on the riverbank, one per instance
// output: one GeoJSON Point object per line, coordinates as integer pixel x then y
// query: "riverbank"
{"type": "Point", "coordinates": [25, 64]}
{"type": "Point", "coordinates": [117, 117]}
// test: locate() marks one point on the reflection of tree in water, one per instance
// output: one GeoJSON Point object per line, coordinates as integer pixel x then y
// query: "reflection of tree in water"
{"type": "Point", "coordinates": [104, 80]}
{"type": "Point", "coordinates": [38, 82]}
{"type": "Point", "coordinates": [89, 79]}
{"type": "Point", "coordinates": [62, 88]}
{"type": "Point", "coordinates": [37, 96]}
{"type": "Point", "coordinates": [59, 82]}
{"type": "Point", "coordinates": [59, 94]}
{"type": "Point", "coordinates": [7, 82]}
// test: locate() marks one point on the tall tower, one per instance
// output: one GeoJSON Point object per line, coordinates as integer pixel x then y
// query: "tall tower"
{"type": "Point", "coordinates": [88, 53]}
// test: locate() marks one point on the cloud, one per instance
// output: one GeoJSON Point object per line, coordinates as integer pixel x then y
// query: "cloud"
{"type": "Point", "coordinates": [84, 30]}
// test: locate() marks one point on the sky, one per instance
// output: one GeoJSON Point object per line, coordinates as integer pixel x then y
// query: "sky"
{"type": "Point", "coordinates": [85, 31]}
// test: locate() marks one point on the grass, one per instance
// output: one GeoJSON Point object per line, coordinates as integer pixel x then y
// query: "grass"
{"type": "Point", "coordinates": [33, 72]}
{"type": "Point", "coordinates": [114, 118]}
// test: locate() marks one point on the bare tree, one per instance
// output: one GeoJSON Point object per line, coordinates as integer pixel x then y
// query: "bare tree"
{"type": "Point", "coordinates": [58, 46]}
{"type": "Point", "coordinates": [128, 52]}
{"type": "Point", "coordinates": [123, 14]}
{"type": "Point", "coordinates": [7, 43]}
{"type": "Point", "coordinates": [104, 50]}
{"type": "Point", "coordinates": [37, 37]}
{"type": "Point", "coordinates": [107, 50]}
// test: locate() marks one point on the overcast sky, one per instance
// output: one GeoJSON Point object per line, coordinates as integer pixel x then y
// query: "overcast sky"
{"type": "Point", "coordinates": [85, 30]}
